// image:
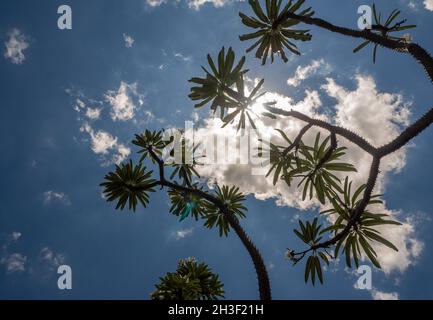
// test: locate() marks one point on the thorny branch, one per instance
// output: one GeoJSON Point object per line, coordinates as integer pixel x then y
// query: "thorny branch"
{"type": "Point", "coordinates": [259, 265]}
{"type": "Point", "coordinates": [415, 50]}
{"type": "Point", "coordinates": [377, 153]}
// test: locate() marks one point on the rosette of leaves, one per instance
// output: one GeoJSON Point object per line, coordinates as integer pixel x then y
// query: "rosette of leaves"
{"type": "Point", "coordinates": [184, 168]}
{"type": "Point", "coordinates": [149, 140]}
{"type": "Point", "coordinates": [274, 31]}
{"type": "Point", "coordinates": [232, 199]}
{"type": "Point", "coordinates": [128, 184]}
{"type": "Point", "coordinates": [243, 105]}
{"type": "Point", "coordinates": [184, 204]}
{"type": "Point", "coordinates": [358, 241]}
{"type": "Point", "coordinates": [386, 29]}
{"type": "Point", "coordinates": [191, 281]}
{"type": "Point", "coordinates": [313, 166]}
{"type": "Point", "coordinates": [281, 158]}
{"type": "Point", "coordinates": [310, 234]}
{"type": "Point", "coordinates": [215, 88]}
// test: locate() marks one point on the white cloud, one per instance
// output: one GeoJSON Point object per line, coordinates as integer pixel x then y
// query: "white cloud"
{"type": "Point", "coordinates": [304, 72]}
{"type": "Point", "coordinates": [182, 57]}
{"type": "Point", "coordinates": [129, 41]}
{"type": "Point", "coordinates": [122, 101]}
{"type": "Point", "coordinates": [101, 141]}
{"type": "Point", "coordinates": [412, 5]}
{"type": "Point", "coordinates": [122, 153]}
{"type": "Point", "coordinates": [428, 4]}
{"type": "Point", "coordinates": [123, 104]}
{"type": "Point", "coordinates": [192, 4]}
{"type": "Point", "coordinates": [47, 260]}
{"type": "Point", "coordinates": [14, 236]}
{"type": "Point", "coordinates": [104, 144]}
{"type": "Point", "coordinates": [93, 113]}
{"type": "Point", "coordinates": [196, 4]}
{"type": "Point", "coordinates": [183, 233]}
{"type": "Point", "coordinates": [15, 262]}
{"type": "Point", "coordinates": [374, 115]}
{"type": "Point", "coordinates": [79, 104]}
{"type": "Point", "coordinates": [379, 295]}
{"type": "Point", "coordinates": [15, 47]}
{"type": "Point", "coordinates": [404, 238]}
{"type": "Point", "coordinates": [163, 66]}
{"type": "Point", "coordinates": [50, 258]}
{"type": "Point", "coordinates": [240, 175]}
{"type": "Point", "coordinates": [155, 3]}
{"type": "Point", "coordinates": [195, 116]}
{"type": "Point", "coordinates": [53, 196]}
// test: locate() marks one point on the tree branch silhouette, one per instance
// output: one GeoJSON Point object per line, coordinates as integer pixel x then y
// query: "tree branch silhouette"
{"type": "Point", "coordinates": [415, 50]}
{"type": "Point", "coordinates": [378, 153]}
{"type": "Point", "coordinates": [255, 255]}
{"type": "Point", "coordinates": [223, 87]}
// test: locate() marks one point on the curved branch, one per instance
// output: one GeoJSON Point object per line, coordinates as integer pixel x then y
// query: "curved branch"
{"type": "Point", "coordinates": [329, 153]}
{"type": "Point", "coordinates": [259, 265]}
{"type": "Point", "coordinates": [297, 140]}
{"type": "Point", "coordinates": [349, 135]}
{"type": "Point", "coordinates": [360, 208]}
{"type": "Point", "coordinates": [378, 153]}
{"type": "Point", "coordinates": [415, 50]}
{"type": "Point", "coordinates": [158, 161]}
{"type": "Point", "coordinates": [412, 131]}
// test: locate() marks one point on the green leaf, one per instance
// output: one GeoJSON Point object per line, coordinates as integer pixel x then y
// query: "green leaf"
{"type": "Point", "coordinates": [320, 189]}
{"type": "Point", "coordinates": [340, 167]}
{"type": "Point", "coordinates": [300, 236]}
{"type": "Point", "coordinates": [257, 88]}
{"type": "Point", "coordinates": [347, 251]}
{"type": "Point", "coordinates": [319, 269]}
{"type": "Point", "coordinates": [304, 192]}
{"type": "Point", "coordinates": [269, 115]}
{"type": "Point", "coordinates": [376, 18]}
{"type": "Point", "coordinates": [313, 270]}
{"type": "Point", "coordinates": [354, 250]}
{"type": "Point", "coordinates": [368, 251]}
{"type": "Point", "coordinates": [297, 5]}
{"type": "Point", "coordinates": [337, 247]}
{"type": "Point", "coordinates": [251, 121]}
{"type": "Point", "coordinates": [357, 193]}
{"type": "Point", "coordinates": [402, 28]}
{"type": "Point", "coordinates": [230, 117]}
{"type": "Point", "coordinates": [212, 66]}
{"type": "Point", "coordinates": [284, 136]}
{"type": "Point", "coordinates": [324, 258]}
{"type": "Point", "coordinates": [252, 35]}
{"type": "Point", "coordinates": [391, 17]}
{"type": "Point", "coordinates": [255, 5]}
{"type": "Point", "coordinates": [221, 57]}
{"type": "Point", "coordinates": [361, 46]}
{"type": "Point", "coordinates": [381, 222]}
{"type": "Point", "coordinates": [380, 239]}
{"type": "Point", "coordinates": [308, 268]}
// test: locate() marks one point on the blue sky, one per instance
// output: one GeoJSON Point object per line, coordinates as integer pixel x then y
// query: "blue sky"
{"type": "Point", "coordinates": [60, 134]}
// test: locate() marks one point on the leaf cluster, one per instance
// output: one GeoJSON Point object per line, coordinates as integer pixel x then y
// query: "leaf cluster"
{"type": "Point", "coordinates": [191, 281]}
{"type": "Point", "coordinates": [313, 166]}
{"type": "Point", "coordinates": [275, 33]}
{"type": "Point", "coordinates": [385, 29]}
{"type": "Point", "coordinates": [128, 184]}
